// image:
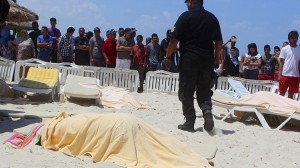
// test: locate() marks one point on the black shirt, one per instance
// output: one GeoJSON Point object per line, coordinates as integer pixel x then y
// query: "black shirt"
{"type": "Point", "coordinates": [164, 45]}
{"type": "Point", "coordinates": [231, 68]}
{"type": "Point", "coordinates": [82, 57]}
{"type": "Point", "coordinates": [197, 29]}
{"type": "Point", "coordinates": [34, 35]}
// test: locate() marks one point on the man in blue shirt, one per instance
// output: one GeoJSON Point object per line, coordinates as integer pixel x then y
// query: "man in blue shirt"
{"type": "Point", "coordinates": [44, 44]}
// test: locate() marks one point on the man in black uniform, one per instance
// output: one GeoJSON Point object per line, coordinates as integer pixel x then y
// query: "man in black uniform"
{"type": "Point", "coordinates": [199, 34]}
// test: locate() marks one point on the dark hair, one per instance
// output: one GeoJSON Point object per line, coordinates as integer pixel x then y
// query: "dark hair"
{"type": "Point", "coordinates": [52, 19]}
{"type": "Point", "coordinates": [148, 38]}
{"type": "Point", "coordinates": [34, 22]}
{"type": "Point", "coordinates": [89, 34]}
{"type": "Point", "coordinates": [140, 36]}
{"type": "Point", "coordinates": [197, 1]}
{"type": "Point", "coordinates": [233, 48]}
{"type": "Point", "coordinates": [276, 47]}
{"type": "Point", "coordinates": [154, 35]}
{"type": "Point", "coordinates": [44, 27]}
{"type": "Point", "coordinates": [168, 31]}
{"type": "Point", "coordinates": [252, 45]}
{"type": "Point", "coordinates": [121, 28]}
{"type": "Point", "coordinates": [293, 33]}
{"type": "Point", "coordinates": [267, 46]}
{"type": "Point", "coordinates": [70, 30]}
{"type": "Point", "coordinates": [81, 28]}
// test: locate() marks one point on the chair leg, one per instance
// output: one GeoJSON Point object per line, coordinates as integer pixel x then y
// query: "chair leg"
{"type": "Point", "coordinates": [230, 112]}
{"type": "Point", "coordinates": [97, 101]}
{"type": "Point", "coordinates": [262, 120]}
{"type": "Point", "coordinates": [61, 98]}
{"type": "Point", "coordinates": [283, 123]}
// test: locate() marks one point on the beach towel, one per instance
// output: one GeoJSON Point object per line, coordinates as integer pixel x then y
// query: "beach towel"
{"type": "Point", "coordinates": [119, 138]}
{"type": "Point", "coordinates": [115, 97]}
{"type": "Point", "coordinates": [20, 140]}
{"type": "Point", "coordinates": [273, 102]}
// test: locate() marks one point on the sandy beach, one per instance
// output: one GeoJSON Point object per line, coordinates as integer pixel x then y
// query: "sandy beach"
{"type": "Point", "coordinates": [239, 144]}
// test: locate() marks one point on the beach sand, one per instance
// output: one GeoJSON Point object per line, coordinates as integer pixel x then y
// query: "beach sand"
{"type": "Point", "coordinates": [240, 144]}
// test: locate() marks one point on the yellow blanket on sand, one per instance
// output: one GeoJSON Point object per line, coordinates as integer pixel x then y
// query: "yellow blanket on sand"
{"type": "Point", "coordinates": [119, 138]}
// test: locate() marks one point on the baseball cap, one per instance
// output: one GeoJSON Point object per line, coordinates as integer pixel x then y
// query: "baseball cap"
{"type": "Point", "coordinates": [112, 31]}
{"type": "Point", "coordinates": [96, 29]}
{"type": "Point", "coordinates": [127, 30]}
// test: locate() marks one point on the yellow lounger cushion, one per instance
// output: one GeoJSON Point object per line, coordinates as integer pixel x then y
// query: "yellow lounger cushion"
{"type": "Point", "coordinates": [40, 78]}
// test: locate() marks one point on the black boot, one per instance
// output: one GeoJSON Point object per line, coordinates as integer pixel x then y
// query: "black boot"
{"type": "Point", "coordinates": [140, 89]}
{"type": "Point", "coordinates": [208, 120]}
{"type": "Point", "coordinates": [187, 126]}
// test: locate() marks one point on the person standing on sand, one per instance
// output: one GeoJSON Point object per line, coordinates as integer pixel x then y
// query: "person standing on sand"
{"type": "Point", "coordinates": [109, 51]}
{"type": "Point", "coordinates": [81, 42]}
{"type": "Point", "coordinates": [148, 40]}
{"type": "Point", "coordinates": [251, 62]}
{"type": "Point", "coordinates": [24, 46]}
{"type": "Point", "coordinates": [55, 34]}
{"type": "Point", "coordinates": [174, 58]}
{"type": "Point", "coordinates": [230, 66]}
{"type": "Point", "coordinates": [66, 46]}
{"type": "Point", "coordinates": [276, 56]}
{"type": "Point", "coordinates": [34, 35]}
{"type": "Point", "coordinates": [124, 45]}
{"type": "Point", "coordinates": [200, 37]}
{"type": "Point", "coordinates": [96, 42]}
{"type": "Point", "coordinates": [289, 59]}
{"type": "Point", "coordinates": [268, 63]}
{"type": "Point", "coordinates": [232, 42]}
{"type": "Point", "coordinates": [44, 45]}
{"type": "Point", "coordinates": [153, 54]}
{"type": "Point", "coordinates": [139, 61]}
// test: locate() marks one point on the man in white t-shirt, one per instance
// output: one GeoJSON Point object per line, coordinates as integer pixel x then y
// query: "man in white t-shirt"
{"type": "Point", "coordinates": [289, 59]}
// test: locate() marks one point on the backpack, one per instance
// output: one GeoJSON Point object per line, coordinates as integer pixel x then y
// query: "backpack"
{"type": "Point", "coordinates": [4, 10]}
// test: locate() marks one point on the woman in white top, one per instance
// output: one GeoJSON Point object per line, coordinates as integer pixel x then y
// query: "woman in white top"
{"type": "Point", "coordinates": [251, 62]}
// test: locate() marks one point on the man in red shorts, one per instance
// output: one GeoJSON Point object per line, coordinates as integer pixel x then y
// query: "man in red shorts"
{"type": "Point", "coordinates": [289, 58]}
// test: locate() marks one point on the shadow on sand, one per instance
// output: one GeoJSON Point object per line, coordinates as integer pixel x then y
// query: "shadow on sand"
{"type": "Point", "coordinates": [8, 124]}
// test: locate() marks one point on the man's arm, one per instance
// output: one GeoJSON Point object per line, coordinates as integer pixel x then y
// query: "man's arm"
{"type": "Point", "coordinates": [59, 56]}
{"type": "Point", "coordinates": [171, 48]}
{"type": "Point", "coordinates": [218, 53]}
{"type": "Point", "coordinates": [91, 51]}
{"type": "Point", "coordinates": [281, 63]}
{"type": "Point", "coordinates": [104, 49]}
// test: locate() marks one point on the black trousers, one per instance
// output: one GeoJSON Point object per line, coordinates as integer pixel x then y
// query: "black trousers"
{"type": "Point", "coordinates": [195, 74]}
{"type": "Point", "coordinates": [251, 74]}
{"type": "Point", "coordinates": [53, 56]}
{"type": "Point", "coordinates": [141, 70]}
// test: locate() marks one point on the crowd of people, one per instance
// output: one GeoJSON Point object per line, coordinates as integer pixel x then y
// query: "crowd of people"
{"type": "Point", "coordinates": [250, 65]}
{"type": "Point", "coordinates": [118, 49]}
{"type": "Point", "coordinates": [282, 66]}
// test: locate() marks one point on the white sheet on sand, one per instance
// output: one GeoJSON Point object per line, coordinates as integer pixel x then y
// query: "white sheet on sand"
{"type": "Point", "coordinates": [116, 97]}
{"type": "Point", "coordinates": [273, 102]}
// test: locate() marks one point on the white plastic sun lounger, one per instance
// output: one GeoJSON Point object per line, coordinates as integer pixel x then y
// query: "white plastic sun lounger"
{"type": "Point", "coordinates": [225, 101]}
{"type": "Point", "coordinates": [73, 88]}
{"type": "Point", "coordinates": [7, 68]}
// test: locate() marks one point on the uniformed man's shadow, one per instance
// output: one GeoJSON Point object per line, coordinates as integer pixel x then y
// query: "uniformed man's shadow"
{"type": "Point", "coordinates": [216, 131]}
